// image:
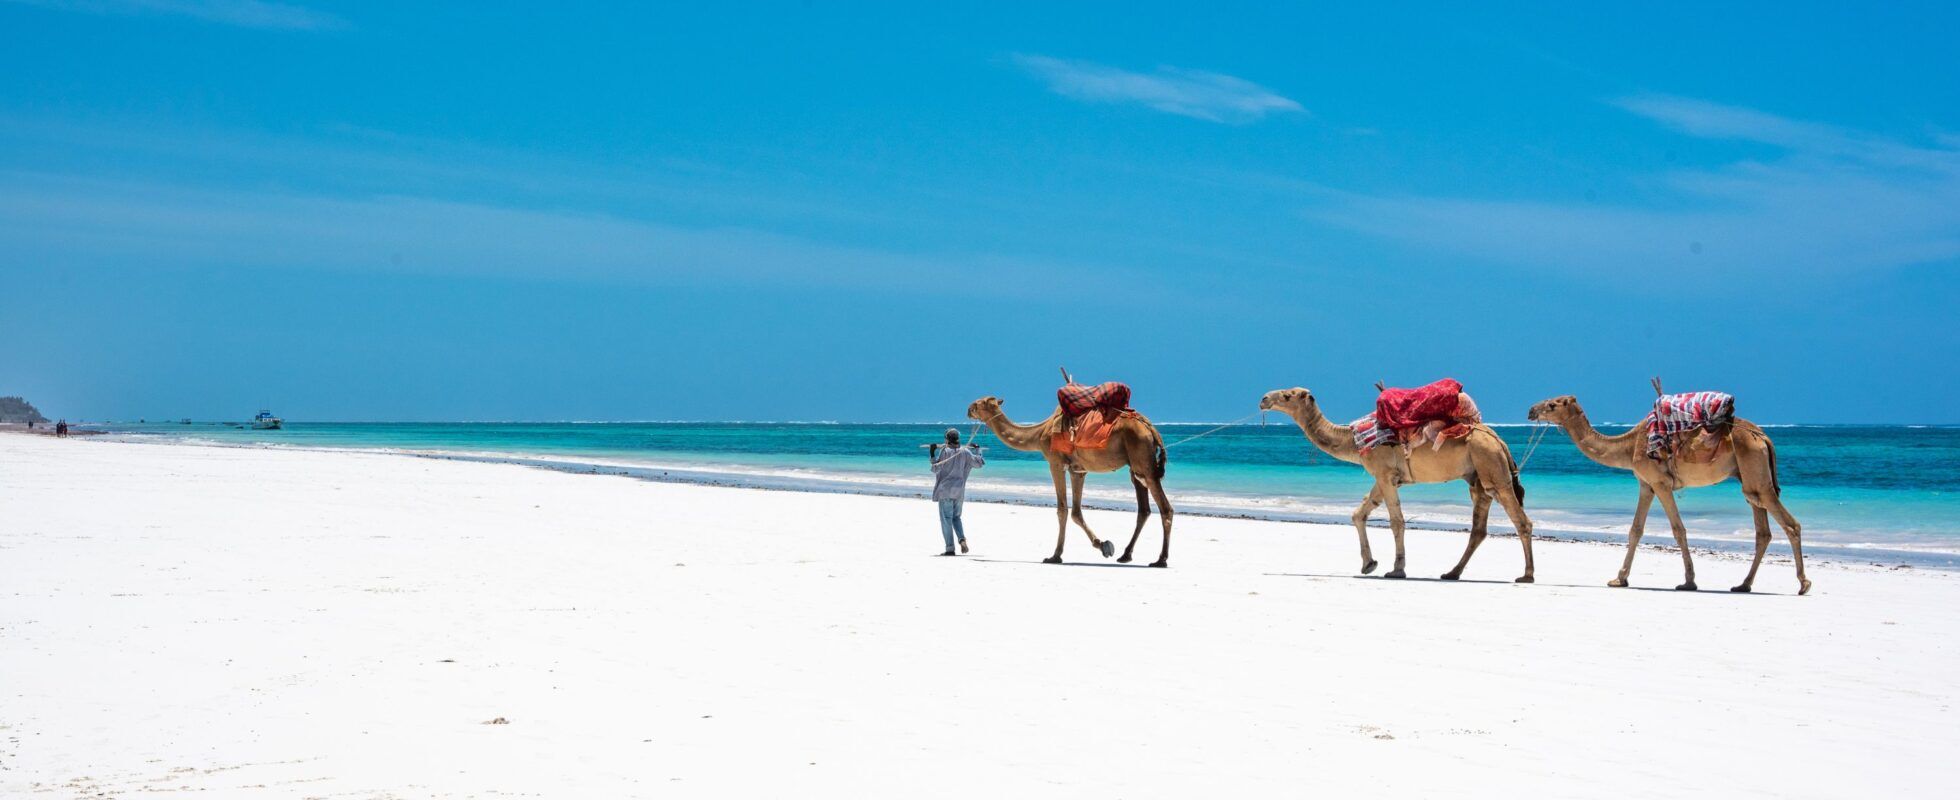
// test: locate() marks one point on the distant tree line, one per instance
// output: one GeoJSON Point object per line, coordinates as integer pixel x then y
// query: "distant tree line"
{"type": "Point", "coordinates": [16, 409]}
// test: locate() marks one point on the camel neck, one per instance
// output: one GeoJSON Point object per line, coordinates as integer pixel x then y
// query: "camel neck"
{"type": "Point", "coordinates": [1019, 437]}
{"type": "Point", "coordinates": [1334, 440]}
{"type": "Point", "coordinates": [1611, 451]}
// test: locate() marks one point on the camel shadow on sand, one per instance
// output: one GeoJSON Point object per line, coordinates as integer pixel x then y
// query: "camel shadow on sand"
{"type": "Point", "coordinates": [1410, 579]}
{"type": "Point", "coordinates": [1099, 564]}
{"type": "Point", "coordinates": [1419, 579]}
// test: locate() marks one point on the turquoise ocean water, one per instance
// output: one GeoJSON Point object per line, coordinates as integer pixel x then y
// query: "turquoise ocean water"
{"type": "Point", "coordinates": [1887, 494]}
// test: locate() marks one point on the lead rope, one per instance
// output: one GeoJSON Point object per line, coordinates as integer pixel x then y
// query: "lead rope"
{"type": "Point", "coordinates": [1537, 435]}
{"type": "Point", "coordinates": [1213, 430]}
{"type": "Point", "coordinates": [973, 436]}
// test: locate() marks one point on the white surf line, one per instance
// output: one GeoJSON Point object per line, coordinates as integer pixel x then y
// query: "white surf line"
{"type": "Point", "coordinates": [1037, 496]}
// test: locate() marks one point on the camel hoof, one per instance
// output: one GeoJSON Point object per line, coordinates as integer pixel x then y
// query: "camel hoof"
{"type": "Point", "coordinates": [1743, 589]}
{"type": "Point", "coordinates": [1805, 589]}
{"type": "Point", "coordinates": [1617, 583]}
{"type": "Point", "coordinates": [1124, 560]}
{"type": "Point", "coordinates": [1686, 587]}
{"type": "Point", "coordinates": [1526, 579]}
{"type": "Point", "coordinates": [1107, 547]}
{"type": "Point", "coordinates": [1160, 564]}
{"type": "Point", "coordinates": [1395, 574]}
{"type": "Point", "coordinates": [1052, 560]}
{"type": "Point", "coordinates": [1368, 567]}
{"type": "Point", "coordinates": [1450, 576]}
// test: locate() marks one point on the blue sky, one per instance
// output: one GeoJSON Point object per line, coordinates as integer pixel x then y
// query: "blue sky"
{"type": "Point", "coordinates": [514, 211]}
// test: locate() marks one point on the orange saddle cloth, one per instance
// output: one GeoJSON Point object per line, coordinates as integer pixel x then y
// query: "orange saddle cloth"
{"type": "Point", "coordinates": [1088, 430]}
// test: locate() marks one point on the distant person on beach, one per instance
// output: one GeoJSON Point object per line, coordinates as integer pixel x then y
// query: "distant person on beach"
{"type": "Point", "coordinates": [61, 428]}
{"type": "Point", "coordinates": [949, 471]}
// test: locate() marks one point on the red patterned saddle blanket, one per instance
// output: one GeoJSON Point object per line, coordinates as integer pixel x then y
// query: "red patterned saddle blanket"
{"type": "Point", "coordinates": [1089, 413]}
{"type": "Point", "coordinates": [1432, 413]}
{"type": "Point", "coordinates": [1076, 398]}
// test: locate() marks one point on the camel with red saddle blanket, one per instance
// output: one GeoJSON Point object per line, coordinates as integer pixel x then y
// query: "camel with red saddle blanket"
{"type": "Point", "coordinates": [1093, 429]}
{"type": "Point", "coordinates": [1427, 435]}
{"type": "Point", "coordinates": [1689, 440]}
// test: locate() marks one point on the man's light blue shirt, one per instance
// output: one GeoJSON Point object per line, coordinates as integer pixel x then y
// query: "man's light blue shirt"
{"type": "Point", "coordinates": [950, 471]}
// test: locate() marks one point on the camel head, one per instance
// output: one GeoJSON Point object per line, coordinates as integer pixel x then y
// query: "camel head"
{"type": "Point", "coordinates": [1291, 401]}
{"type": "Point", "coordinates": [984, 409]}
{"type": "Point", "coordinates": [1556, 410]}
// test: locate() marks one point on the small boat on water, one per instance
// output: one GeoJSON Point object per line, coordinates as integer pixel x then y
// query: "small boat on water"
{"type": "Point", "coordinates": [265, 421]}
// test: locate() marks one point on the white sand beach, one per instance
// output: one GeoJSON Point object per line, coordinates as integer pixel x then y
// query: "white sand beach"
{"type": "Point", "coordinates": [222, 622]}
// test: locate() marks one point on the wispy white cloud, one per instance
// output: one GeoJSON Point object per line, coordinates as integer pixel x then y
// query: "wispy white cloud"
{"type": "Point", "coordinates": [1186, 92]}
{"type": "Point", "coordinates": [1716, 121]}
{"type": "Point", "coordinates": [67, 221]}
{"type": "Point", "coordinates": [358, 199]}
{"type": "Point", "coordinates": [1833, 200]}
{"type": "Point", "coordinates": [242, 13]}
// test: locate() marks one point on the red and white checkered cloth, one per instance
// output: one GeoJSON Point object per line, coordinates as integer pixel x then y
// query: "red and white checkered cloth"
{"type": "Point", "coordinates": [1076, 398]}
{"type": "Point", "coordinates": [1369, 434]}
{"type": "Point", "coordinates": [1679, 413]}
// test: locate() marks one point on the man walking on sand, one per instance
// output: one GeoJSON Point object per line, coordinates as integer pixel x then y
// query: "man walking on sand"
{"type": "Point", "coordinates": [949, 471]}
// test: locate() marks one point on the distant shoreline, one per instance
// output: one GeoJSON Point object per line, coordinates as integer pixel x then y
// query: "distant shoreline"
{"type": "Point", "coordinates": [47, 429]}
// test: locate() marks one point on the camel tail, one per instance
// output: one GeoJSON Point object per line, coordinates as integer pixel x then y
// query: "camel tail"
{"type": "Point", "coordinates": [1516, 484]}
{"type": "Point", "coordinates": [1163, 458]}
{"type": "Point", "coordinates": [1769, 446]}
{"type": "Point", "coordinates": [1160, 459]}
{"type": "Point", "coordinates": [1773, 482]}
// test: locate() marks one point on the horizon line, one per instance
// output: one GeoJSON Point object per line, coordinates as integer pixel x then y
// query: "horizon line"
{"type": "Point", "coordinates": [958, 423]}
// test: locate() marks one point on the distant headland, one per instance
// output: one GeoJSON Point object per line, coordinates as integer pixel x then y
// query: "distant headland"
{"type": "Point", "coordinates": [17, 409]}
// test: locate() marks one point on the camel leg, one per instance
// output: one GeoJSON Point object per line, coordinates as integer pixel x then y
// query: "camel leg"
{"type": "Point", "coordinates": [1164, 512]}
{"type": "Point", "coordinates": [1762, 545]}
{"type": "Point", "coordinates": [1794, 532]}
{"type": "Point", "coordinates": [1061, 512]}
{"type": "Point", "coordinates": [1634, 533]}
{"type": "Point", "coordinates": [1075, 513]}
{"type": "Point", "coordinates": [1479, 525]}
{"type": "Point", "coordinates": [1758, 478]}
{"type": "Point", "coordinates": [1680, 538]}
{"type": "Point", "coordinates": [1143, 514]}
{"type": "Point", "coordinates": [1514, 508]}
{"type": "Point", "coordinates": [1392, 497]}
{"type": "Point", "coordinates": [1368, 504]}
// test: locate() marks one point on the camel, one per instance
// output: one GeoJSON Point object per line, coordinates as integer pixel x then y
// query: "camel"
{"type": "Point", "coordinates": [1133, 443]}
{"type": "Point", "coordinates": [1480, 459]}
{"type": "Point", "coordinates": [1751, 458]}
